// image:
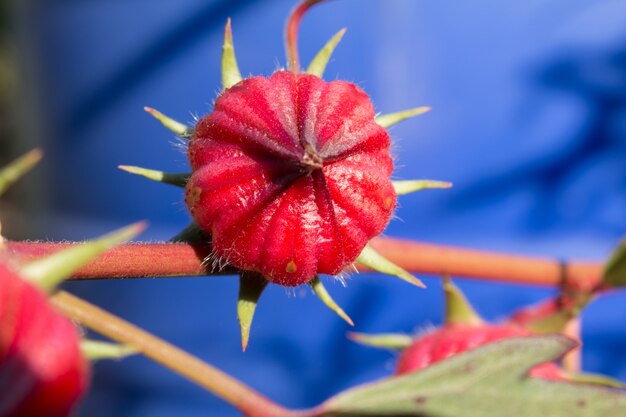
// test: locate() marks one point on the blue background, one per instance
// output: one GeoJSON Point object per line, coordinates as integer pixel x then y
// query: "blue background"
{"type": "Point", "coordinates": [528, 122]}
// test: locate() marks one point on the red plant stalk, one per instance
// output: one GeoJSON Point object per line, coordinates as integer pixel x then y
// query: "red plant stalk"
{"type": "Point", "coordinates": [291, 33]}
{"type": "Point", "coordinates": [140, 260]}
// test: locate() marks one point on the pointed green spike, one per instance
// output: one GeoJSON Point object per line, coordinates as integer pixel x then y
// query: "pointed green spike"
{"type": "Point", "coordinates": [553, 315]}
{"type": "Point", "coordinates": [192, 234]}
{"type": "Point", "coordinates": [230, 69]}
{"type": "Point", "coordinates": [374, 260]}
{"type": "Point", "coordinates": [176, 179]}
{"type": "Point", "coordinates": [16, 169]}
{"type": "Point", "coordinates": [251, 286]}
{"type": "Point", "coordinates": [178, 128]}
{"type": "Point", "coordinates": [411, 186]}
{"type": "Point", "coordinates": [47, 273]}
{"type": "Point", "coordinates": [554, 323]}
{"type": "Point", "coordinates": [96, 350]}
{"type": "Point", "coordinates": [386, 120]}
{"type": "Point", "coordinates": [319, 62]}
{"type": "Point", "coordinates": [458, 309]}
{"type": "Point", "coordinates": [319, 290]}
{"type": "Point", "coordinates": [392, 341]}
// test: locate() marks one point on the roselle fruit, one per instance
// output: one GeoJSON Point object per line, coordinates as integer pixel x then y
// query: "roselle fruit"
{"type": "Point", "coordinates": [291, 175]}
{"type": "Point", "coordinates": [42, 369]}
{"type": "Point", "coordinates": [464, 330]}
{"type": "Point", "coordinates": [452, 339]}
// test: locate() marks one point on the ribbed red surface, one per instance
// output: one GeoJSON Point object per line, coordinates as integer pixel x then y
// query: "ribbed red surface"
{"type": "Point", "coordinates": [291, 176]}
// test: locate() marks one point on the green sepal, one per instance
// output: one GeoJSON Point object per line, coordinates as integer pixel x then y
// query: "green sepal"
{"type": "Point", "coordinates": [458, 309]}
{"type": "Point", "coordinates": [372, 259]}
{"type": "Point", "coordinates": [411, 186]}
{"type": "Point", "coordinates": [192, 234]}
{"type": "Point", "coordinates": [614, 274]}
{"type": "Point", "coordinates": [96, 350]}
{"type": "Point", "coordinates": [230, 69]}
{"type": "Point", "coordinates": [552, 315]}
{"type": "Point", "coordinates": [557, 320]}
{"type": "Point", "coordinates": [318, 288]}
{"type": "Point", "coordinates": [554, 323]}
{"type": "Point", "coordinates": [176, 179]}
{"type": "Point", "coordinates": [391, 341]}
{"type": "Point", "coordinates": [319, 62]}
{"type": "Point", "coordinates": [178, 128]}
{"type": "Point", "coordinates": [251, 286]}
{"type": "Point", "coordinates": [386, 120]}
{"type": "Point", "coordinates": [47, 273]}
{"type": "Point", "coordinates": [16, 169]}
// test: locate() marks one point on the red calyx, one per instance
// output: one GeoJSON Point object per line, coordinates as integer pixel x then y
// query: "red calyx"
{"type": "Point", "coordinates": [42, 370]}
{"type": "Point", "coordinates": [454, 339]}
{"type": "Point", "coordinates": [291, 176]}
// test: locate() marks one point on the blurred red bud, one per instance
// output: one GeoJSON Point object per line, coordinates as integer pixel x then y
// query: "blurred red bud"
{"type": "Point", "coordinates": [42, 369]}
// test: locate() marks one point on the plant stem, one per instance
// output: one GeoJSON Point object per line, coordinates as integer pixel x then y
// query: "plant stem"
{"type": "Point", "coordinates": [143, 260]}
{"type": "Point", "coordinates": [244, 398]}
{"type": "Point", "coordinates": [291, 33]}
{"type": "Point", "coordinates": [419, 257]}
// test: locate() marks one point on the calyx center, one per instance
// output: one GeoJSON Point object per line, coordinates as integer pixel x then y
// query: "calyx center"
{"type": "Point", "coordinates": [311, 160]}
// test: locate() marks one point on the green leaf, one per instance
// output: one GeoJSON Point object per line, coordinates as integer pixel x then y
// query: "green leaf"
{"type": "Point", "coordinates": [318, 288]}
{"type": "Point", "coordinates": [410, 186]}
{"type": "Point", "coordinates": [176, 179]}
{"type": "Point", "coordinates": [488, 381]}
{"type": "Point", "coordinates": [615, 268]}
{"type": "Point", "coordinates": [392, 341]}
{"type": "Point", "coordinates": [178, 128]}
{"type": "Point", "coordinates": [251, 286]}
{"type": "Point", "coordinates": [319, 62]}
{"type": "Point", "coordinates": [47, 273]}
{"type": "Point", "coordinates": [372, 259]}
{"type": "Point", "coordinates": [386, 120]}
{"type": "Point", "coordinates": [96, 350]}
{"type": "Point", "coordinates": [16, 169]}
{"type": "Point", "coordinates": [230, 69]}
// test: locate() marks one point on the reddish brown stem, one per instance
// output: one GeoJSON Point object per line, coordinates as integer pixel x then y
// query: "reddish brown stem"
{"type": "Point", "coordinates": [180, 259]}
{"type": "Point", "coordinates": [427, 258]}
{"type": "Point", "coordinates": [140, 260]}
